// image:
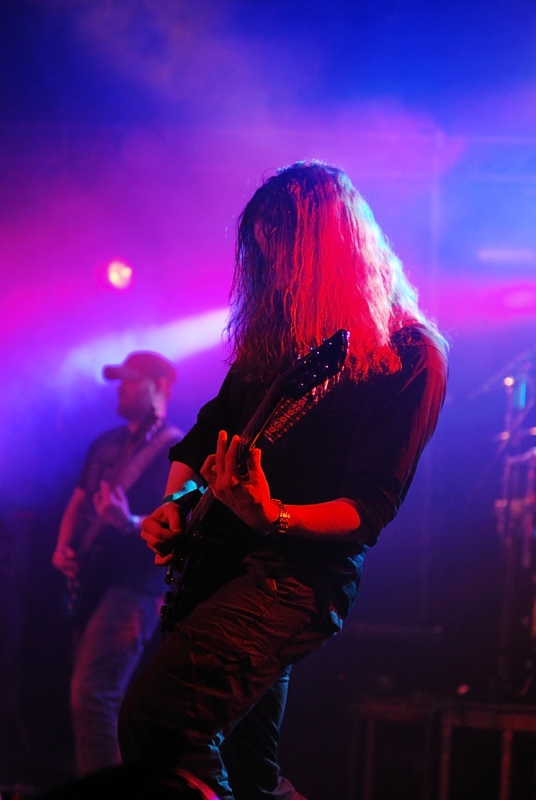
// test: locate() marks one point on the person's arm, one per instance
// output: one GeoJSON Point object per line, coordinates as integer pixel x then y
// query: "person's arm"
{"type": "Point", "coordinates": [64, 557]}
{"type": "Point", "coordinates": [249, 498]}
{"type": "Point", "coordinates": [182, 479]}
{"type": "Point", "coordinates": [335, 519]}
{"type": "Point", "coordinates": [112, 506]}
{"type": "Point", "coordinates": [161, 529]}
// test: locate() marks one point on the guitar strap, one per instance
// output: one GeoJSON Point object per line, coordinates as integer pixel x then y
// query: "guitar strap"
{"type": "Point", "coordinates": [136, 466]}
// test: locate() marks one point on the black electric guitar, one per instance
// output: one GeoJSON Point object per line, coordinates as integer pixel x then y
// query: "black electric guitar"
{"type": "Point", "coordinates": [289, 398]}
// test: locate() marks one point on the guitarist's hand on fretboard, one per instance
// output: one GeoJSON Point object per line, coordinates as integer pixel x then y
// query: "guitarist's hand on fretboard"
{"type": "Point", "coordinates": [111, 505]}
{"type": "Point", "coordinates": [246, 496]}
{"type": "Point", "coordinates": [161, 530]}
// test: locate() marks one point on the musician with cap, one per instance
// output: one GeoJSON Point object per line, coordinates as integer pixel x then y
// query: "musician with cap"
{"type": "Point", "coordinates": [114, 591]}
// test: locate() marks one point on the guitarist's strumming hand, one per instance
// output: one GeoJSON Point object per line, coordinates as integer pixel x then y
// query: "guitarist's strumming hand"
{"type": "Point", "coordinates": [160, 530]}
{"type": "Point", "coordinates": [111, 505]}
{"type": "Point", "coordinates": [248, 497]}
{"type": "Point", "coordinates": [65, 560]}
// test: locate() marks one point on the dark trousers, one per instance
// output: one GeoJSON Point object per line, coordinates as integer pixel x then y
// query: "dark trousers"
{"type": "Point", "coordinates": [223, 675]}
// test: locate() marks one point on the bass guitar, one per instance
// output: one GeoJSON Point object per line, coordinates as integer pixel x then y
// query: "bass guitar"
{"type": "Point", "coordinates": [94, 540]}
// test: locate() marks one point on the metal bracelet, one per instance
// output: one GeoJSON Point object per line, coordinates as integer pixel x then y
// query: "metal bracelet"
{"type": "Point", "coordinates": [283, 521]}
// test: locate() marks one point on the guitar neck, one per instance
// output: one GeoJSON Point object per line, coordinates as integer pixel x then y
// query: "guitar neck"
{"type": "Point", "coordinates": [312, 376]}
{"type": "Point", "coordinates": [251, 433]}
{"type": "Point", "coordinates": [306, 375]}
{"type": "Point", "coordinates": [255, 426]}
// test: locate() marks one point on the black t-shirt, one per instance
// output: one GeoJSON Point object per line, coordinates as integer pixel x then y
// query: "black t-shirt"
{"type": "Point", "coordinates": [362, 441]}
{"type": "Point", "coordinates": [126, 559]}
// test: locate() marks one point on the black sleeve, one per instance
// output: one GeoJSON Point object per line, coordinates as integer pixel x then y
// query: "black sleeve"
{"type": "Point", "coordinates": [87, 478]}
{"type": "Point", "coordinates": [200, 441]}
{"type": "Point", "coordinates": [101, 454]}
{"type": "Point", "coordinates": [382, 463]}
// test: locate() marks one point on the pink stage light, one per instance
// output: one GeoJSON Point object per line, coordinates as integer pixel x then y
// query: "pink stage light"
{"type": "Point", "coordinates": [119, 273]}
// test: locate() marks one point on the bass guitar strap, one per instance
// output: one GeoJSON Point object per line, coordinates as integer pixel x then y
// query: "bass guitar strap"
{"type": "Point", "coordinates": [136, 466]}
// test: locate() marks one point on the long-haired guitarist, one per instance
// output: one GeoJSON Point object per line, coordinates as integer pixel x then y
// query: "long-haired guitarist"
{"type": "Point", "coordinates": [114, 594]}
{"type": "Point", "coordinates": [299, 486]}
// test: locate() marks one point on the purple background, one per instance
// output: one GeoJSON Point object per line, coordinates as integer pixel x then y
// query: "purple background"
{"type": "Point", "coordinates": [139, 130]}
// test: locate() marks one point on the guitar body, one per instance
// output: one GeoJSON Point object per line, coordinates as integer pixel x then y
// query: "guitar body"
{"type": "Point", "coordinates": [215, 542]}
{"type": "Point", "coordinates": [101, 566]}
{"type": "Point", "coordinates": [212, 559]}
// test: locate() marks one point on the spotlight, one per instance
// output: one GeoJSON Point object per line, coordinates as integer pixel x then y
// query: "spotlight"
{"type": "Point", "coordinates": [119, 274]}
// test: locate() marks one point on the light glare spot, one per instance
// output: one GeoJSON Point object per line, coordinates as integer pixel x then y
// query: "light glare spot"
{"type": "Point", "coordinates": [119, 274]}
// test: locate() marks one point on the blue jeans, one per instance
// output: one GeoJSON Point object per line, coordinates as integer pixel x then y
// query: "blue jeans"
{"type": "Point", "coordinates": [222, 675]}
{"type": "Point", "coordinates": [106, 655]}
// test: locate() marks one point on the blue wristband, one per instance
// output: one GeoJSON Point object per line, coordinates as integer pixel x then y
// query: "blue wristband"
{"type": "Point", "coordinates": [172, 498]}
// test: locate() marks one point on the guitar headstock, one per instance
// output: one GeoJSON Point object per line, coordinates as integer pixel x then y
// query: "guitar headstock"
{"type": "Point", "coordinates": [320, 364]}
